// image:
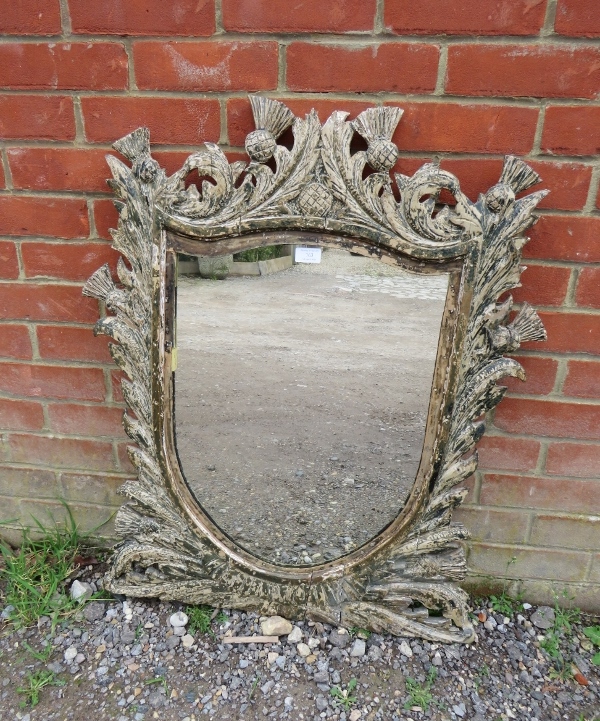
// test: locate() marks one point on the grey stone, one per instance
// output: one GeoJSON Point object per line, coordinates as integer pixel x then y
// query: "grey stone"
{"type": "Point", "coordinates": [321, 702]}
{"type": "Point", "coordinates": [295, 636]}
{"type": "Point", "coordinates": [543, 618]}
{"type": "Point", "coordinates": [94, 611]}
{"type": "Point", "coordinates": [405, 649]}
{"type": "Point", "coordinates": [265, 688]}
{"type": "Point", "coordinates": [70, 654]}
{"type": "Point", "coordinates": [358, 648]}
{"type": "Point", "coordinates": [173, 642]}
{"type": "Point", "coordinates": [321, 677]}
{"type": "Point", "coordinates": [156, 699]}
{"type": "Point", "coordinates": [80, 591]}
{"type": "Point", "coordinates": [460, 709]}
{"type": "Point", "coordinates": [341, 640]}
{"type": "Point", "coordinates": [127, 637]}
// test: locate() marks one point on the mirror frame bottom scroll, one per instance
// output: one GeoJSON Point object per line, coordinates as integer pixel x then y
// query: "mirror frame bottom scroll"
{"type": "Point", "coordinates": [171, 548]}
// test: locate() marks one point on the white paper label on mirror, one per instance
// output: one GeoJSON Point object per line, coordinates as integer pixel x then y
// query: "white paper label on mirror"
{"type": "Point", "coordinates": [307, 255]}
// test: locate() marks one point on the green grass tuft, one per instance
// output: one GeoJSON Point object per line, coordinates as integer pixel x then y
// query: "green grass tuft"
{"type": "Point", "coordinates": [35, 575]}
{"type": "Point", "coordinates": [36, 682]}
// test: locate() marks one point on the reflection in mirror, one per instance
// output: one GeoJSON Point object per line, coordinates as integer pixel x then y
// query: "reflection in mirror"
{"type": "Point", "coordinates": [301, 395]}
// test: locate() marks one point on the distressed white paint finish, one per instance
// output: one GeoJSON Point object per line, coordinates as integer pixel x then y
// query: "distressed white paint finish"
{"type": "Point", "coordinates": [170, 549]}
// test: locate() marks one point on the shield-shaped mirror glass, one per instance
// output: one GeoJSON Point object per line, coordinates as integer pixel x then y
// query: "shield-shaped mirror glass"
{"type": "Point", "coordinates": [302, 393]}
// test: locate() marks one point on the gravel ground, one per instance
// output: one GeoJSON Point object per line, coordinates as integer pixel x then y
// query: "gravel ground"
{"type": "Point", "coordinates": [123, 659]}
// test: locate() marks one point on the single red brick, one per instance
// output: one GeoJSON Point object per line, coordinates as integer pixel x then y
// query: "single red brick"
{"type": "Point", "coordinates": [577, 18]}
{"type": "Point", "coordinates": [454, 127]}
{"type": "Point", "coordinates": [171, 120]}
{"type": "Point", "coordinates": [36, 117]}
{"type": "Point", "coordinates": [97, 489]}
{"type": "Point", "coordinates": [588, 288]}
{"type": "Point", "coordinates": [54, 217]}
{"type": "Point", "coordinates": [80, 420]}
{"type": "Point", "coordinates": [59, 169]}
{"type": "Point", "coordinates": [15, 341]}
{"type": "Point", "coordinates": [565, 237]}
{"type": "Point", "coordinates": [498, 561]}
{"type": "Point", "coordinates": [61, 452]}
{"type": "Point", "coordinates": [583, 379]}
{"type": "Point", "coordinates": [565, 532]}
{"type": "Point", "coordinates": [86, 384]}
{"type": "Point", "coordinates": [308, 16]}
{"type": "Point", "coordinates": [546, 71]}
{"type": "Point", "coordinates": [31, 17]}
{"type": "Point", "coordinates": [63, 342]}
{"type": "Point", "coordinates": [105, 218]}
{"type": "Point", "coordinates": [492, 525]}
{"type": "Point", "coordinates": [68, 261]}
{"type": "Point", "coordinates": [568, 183]}
{"type": "Point", "coordinates": [464, 17]}
{"type": "Point", "coordinates": [572, 130]}
{"type": "Point", "coordinates": [21, 415]}
{"type": "Point", "coordinates": [143, 17]}
{"type": "Point", "coordinates": [38, 301]}
{"type": "Point", "coordinates": [541, 374]}
{"type": "Point", "coordinates": [63, 66]}
{"type": "Point", "coordinates": [573, 459]}
{"type": "Point", "coordinates": [568, 333]}
{"type": "Point", "coordinates": [508, 453]}
{"type": "Point", "coordinates": [240, 121]}
{"type": "Point", "coordinates": [206, 66]}
{"type": "Point", "coordinates": [549, 418]}
{"type": "Point", "coordinates": [391, 67]}
{"type": "Point", "coordinates": [543, 285]}
{"type": "Point", "coordinates": [28, 483]}
{"type": "Point", "coordinates": [9, 264]}
{"type": "Point", "coordinates": [570, 495]}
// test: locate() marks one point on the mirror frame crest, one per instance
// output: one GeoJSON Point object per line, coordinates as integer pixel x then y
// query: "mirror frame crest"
{"type": "Point", "coordinates": [318, 189]}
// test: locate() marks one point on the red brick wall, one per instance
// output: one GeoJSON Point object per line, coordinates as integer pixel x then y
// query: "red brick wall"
{"type": "Point", "coordinates": [477, 79]}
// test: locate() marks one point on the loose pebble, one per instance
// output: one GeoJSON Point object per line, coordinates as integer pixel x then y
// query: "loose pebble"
{"type": "Point", "coordinates": [295, 635]}
{"type": "Point", "coordinates": [358, 648]}
{"type": "Point", "coordinates": [178, 620]}
{"type": "Point", "coordinates": [80, 591]}
{"type": "Point", "coordinates": [276, 626]}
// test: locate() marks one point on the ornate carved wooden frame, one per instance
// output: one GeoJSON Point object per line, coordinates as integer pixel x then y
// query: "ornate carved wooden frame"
{"type": "Point", "coordinates": [171, 547]}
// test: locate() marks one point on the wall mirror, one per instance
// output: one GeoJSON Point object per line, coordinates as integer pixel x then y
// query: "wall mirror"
{"type": "Point", "coordinates": [301, 430]}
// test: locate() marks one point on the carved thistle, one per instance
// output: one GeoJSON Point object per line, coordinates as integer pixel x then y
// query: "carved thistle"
{"type": "Point", "coordinates": [319, 185]}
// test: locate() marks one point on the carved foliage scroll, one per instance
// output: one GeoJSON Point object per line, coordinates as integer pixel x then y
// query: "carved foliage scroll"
{"type": "Point", "coordinates": [318, 184]}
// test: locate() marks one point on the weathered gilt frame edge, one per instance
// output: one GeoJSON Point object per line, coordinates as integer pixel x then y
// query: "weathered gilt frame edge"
{"type": "Point", "coordinates": [316, 186]}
